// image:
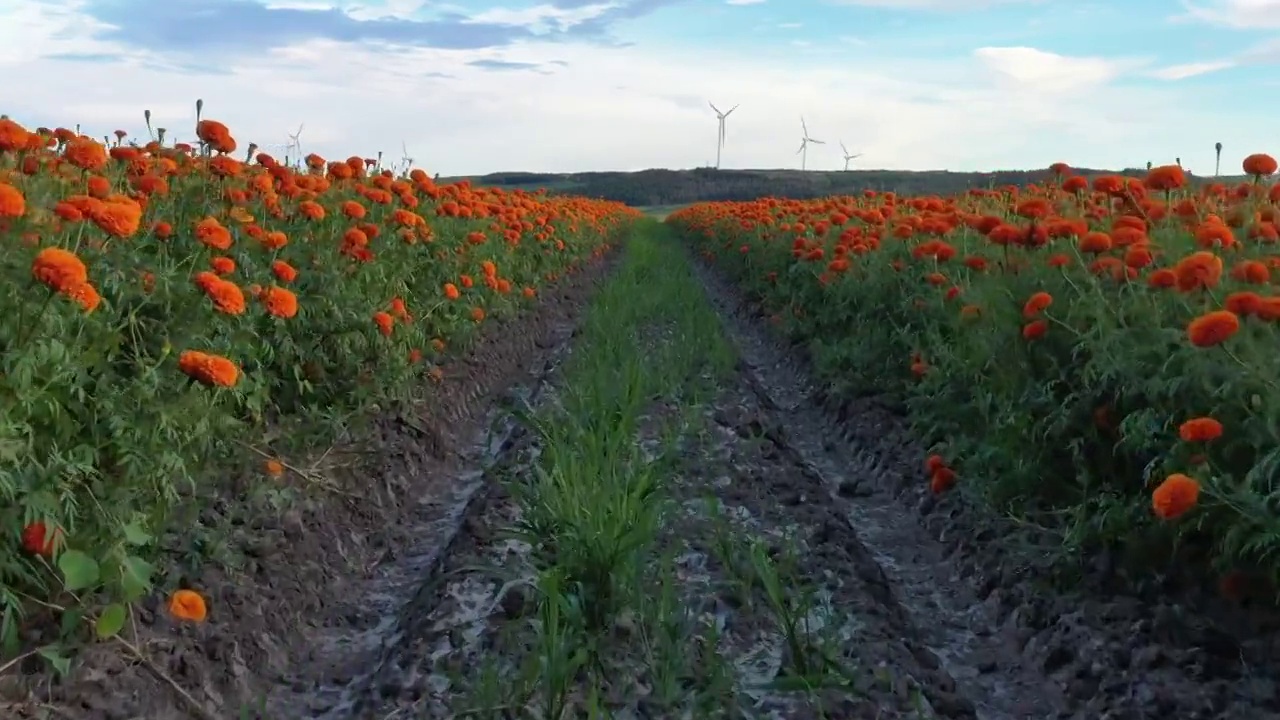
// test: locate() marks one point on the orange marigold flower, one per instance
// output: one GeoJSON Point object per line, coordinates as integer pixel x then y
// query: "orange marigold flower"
{"type": "Point", "coordinates": [12, 202]}
{"type": "Point", "coordinates": [1036, 304]}
{"type": "Point", "coordinates": [1201, 429]}
{"type": "Point", "coordinates": [85, 295]}
{"type": "Point", "coordinates": [59, 269]}
{"type": "Point", "coordinates": [1243, 303]}
{"type": "Point", "coordinates": [1199, 270]}
{"type": "Point", "coordinates": [311, 210]}
{"type": "Point", "coordinates": [188, 605]}
{"type": "Point", "coordinates": [280, 302]}
{"type": "Point", "coordinates": [227, 297]}
{"type": "Point", "coordinates": [1213, 328]}
{"type": "Point", "coordinates": [1165, 177]}
{"type": "Point", "coordinates": [118, 217]}
{"type": "Point", "coordinates": [1174, 497]}
{"type": "Point", "coordinates": [216, 136]}
{"type": "Point", "coordinates": [273, 467]}
{"type": "Point", "coordinates": [941, 479]}
{"type": "Point", "coordinates": [385, 322]}
{"type": "Point", "coordinates": [222, 265]}
{"type": "Point", "coordinates": [1259, 164]}
{"type": "Point", "coordinates": [451, 291]}
{"type": "Point", "coordinates": [274, 240]}
{"type": "Point", "coordinates": [283, 271]}
{"type": "Point", "coordinates": [1035, 329]}
{"type": "Point", "coordinates": [208, 369]}
{"type": "Point", "coordinates": [353, 209]}
{"type": "Point", "coordinates": [211, 232]}
{"type": "Point", "coordinates": [85, 153]}
{"type": "Point", "coordinates": [37, 539]}
{"type": "Point", "coordinates": [1095, 242]}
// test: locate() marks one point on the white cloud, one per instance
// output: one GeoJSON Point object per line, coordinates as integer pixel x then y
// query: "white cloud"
{"type": "Point", "coordinates": [948, 5]}
{"type": "Point", "coordinates": [623, 108]}
{"type": "Point", "coordinates": [541, 17]}
{"type": "Point", "coordinates": [1238, 14]}
{"type": "Point", "coordinates": [1187, 70]}
{"type": "Point", "coordinates": [1045, 72]}
{"type": "Point", "coordinates": [743, 2]}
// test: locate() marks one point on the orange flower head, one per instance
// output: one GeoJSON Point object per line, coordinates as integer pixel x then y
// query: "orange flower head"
{"type": "Point", "coordinates": [37, 539]}
{"type": "Point", "coordinates": [208, 369]}
{"type": "Point", "coordinates": [280, 302]}
{"type": "Point", "coordinates": [1036, 304]}
{"type": "Point", "coordinates": [1201, 429]}
{"type": "Point", "coordinates": [12, 202]}
{"type": "Point", "coordinates": [59, 269]}
{"type": "Point", "coordinates": [1176, 496]}
{"type": "Point", "coordinates": [188, 605]}
{"type": "Point", "coordinates": [1213, 328]}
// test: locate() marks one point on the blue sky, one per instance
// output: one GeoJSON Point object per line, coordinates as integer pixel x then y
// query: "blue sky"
{"type": "Point", "coordinates": [573, 85]}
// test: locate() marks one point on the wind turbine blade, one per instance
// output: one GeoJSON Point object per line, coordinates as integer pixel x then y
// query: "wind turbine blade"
{"type": "Point", "coordinates": [801, 148]}
{"type": "Point", "coordinates": [843, 149]}
{"type": "Point", "coordinates": [804, 127]}
{"type": "Point", "coordinates": [816, 142]}
{"type": "Point", "coordinates": [735, 107]}
{"type": "Point", "coordinates": [713, 107]}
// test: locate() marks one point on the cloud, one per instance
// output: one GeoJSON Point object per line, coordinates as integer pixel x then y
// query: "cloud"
{"type": "Point", "coordinates": [544, 18]}
{"type": "Point", "coordinates": [612, 107]}
{"type": "Point", "coordinates": [1236, 14]}
{"type": "Point", "coordinates": [1187, 70]}
{"type": "Point", "coordinates": [941, 5]}
{"type": "Point", "coordinates": [249, 26]}
{"type": "Point", "coordinates": [503, 65]}
{"type": "Point", "coordinates": [743, 2]}
{"type": "Point", "coordinates": [1036, 70]}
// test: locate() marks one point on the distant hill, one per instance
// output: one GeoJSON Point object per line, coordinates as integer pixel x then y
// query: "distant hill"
{"type": "Point", "coordinates": [648, 188]}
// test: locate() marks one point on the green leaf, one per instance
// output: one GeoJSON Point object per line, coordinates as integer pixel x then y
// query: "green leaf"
{"type": "Point", "coordinates": [70, 621]}
{"type": "Point", "coordinates": [134, 534]}
{"type": "Point", "coordinates": [79, 571]}
{"type": "Point", "coordinates": [53, 654]}
{"type": "Point", "coordinates": [111, 621]}
{"type": "Point", "coordinates": [135, 577]}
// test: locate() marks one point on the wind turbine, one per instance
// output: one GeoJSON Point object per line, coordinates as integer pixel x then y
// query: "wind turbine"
{"type": "Point", "coordinates": [803, 152]}
{"type": "Point", "coordinates": [847, 156]}
{"type": "Point", "coordinates": [721, 117]}
{"type": "Point", "coordinates": [406, 162]}
{"type": "Point", "coordinates": [295, 144]}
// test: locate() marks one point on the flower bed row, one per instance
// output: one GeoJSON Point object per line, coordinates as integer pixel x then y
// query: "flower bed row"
{"type": "Point", "coordinates": [162, 306]}
{"type": "Point", "coordinates": [1092, 357]}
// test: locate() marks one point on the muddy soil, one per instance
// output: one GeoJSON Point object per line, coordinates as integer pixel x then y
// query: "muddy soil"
{"type": "Point", "coordinates": [977, 593]}
{"type": "Point", "coordinates": [303, 622]}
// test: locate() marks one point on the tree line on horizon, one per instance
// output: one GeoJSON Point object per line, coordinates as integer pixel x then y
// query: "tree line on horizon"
{"type": "Point", "coordinates": [659, 187]}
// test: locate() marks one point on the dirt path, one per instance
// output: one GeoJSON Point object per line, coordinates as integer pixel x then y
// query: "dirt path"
{"type": "Point", "coordinates": [655, 541]}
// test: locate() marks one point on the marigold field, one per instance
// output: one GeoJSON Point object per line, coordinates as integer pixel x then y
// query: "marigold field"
{"type": "Point", "coordinates": [173, 316]}
{"type": "Point", "coordinates": [317, 438]}
{"type": "Point", "coordinates": [1094, 357]}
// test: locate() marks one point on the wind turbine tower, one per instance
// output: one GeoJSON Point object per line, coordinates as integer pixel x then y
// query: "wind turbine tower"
{"type": "Point", "coordinates": [721, 116]}
{"type": "Point", "coordinates": [805, 141]}
{"type": "Point", "coordinates": [847, 156]}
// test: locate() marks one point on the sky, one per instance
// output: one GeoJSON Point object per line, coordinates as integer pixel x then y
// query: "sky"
{"type": "Point", "coordinates": [475, 86]}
